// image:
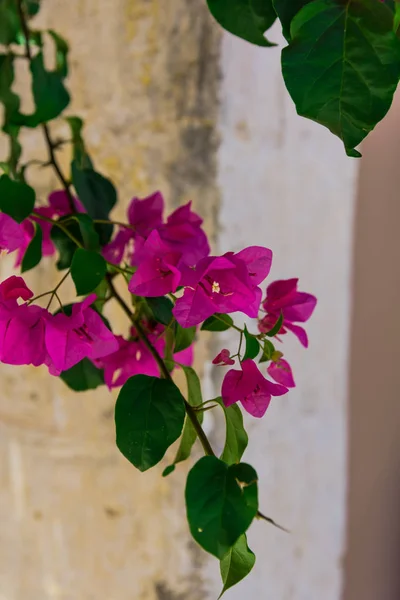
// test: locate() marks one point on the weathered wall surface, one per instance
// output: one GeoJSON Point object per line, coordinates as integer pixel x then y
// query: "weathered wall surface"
{"type": "Point", "coordinates": [77, 521]}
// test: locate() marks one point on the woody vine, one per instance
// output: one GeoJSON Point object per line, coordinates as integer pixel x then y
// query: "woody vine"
{"type": "Point", "coordinates": [341, 66]}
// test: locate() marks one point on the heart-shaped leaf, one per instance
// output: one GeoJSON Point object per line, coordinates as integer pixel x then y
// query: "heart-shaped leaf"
{"type": "Point", "coordinates": [221, 502]}
{"type": "Point", "coordinates": [236, 564]}
{"type": "Point", "coordinates": [149, 416]}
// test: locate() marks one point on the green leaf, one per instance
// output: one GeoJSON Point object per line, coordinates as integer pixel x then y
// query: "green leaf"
{"type": "Point", "coordinates": [89, 234]}
{"type": "Point", "coordinates": [184, 337]}
{"type": "Point", "coordinates": [149, 416]}
{"type": "Point", "coordinates": [61, 53]}
{"type": "Point", "coordinates": [162, 309]}
{"type": "Point", "coordinates": [286, 10]}
{"type": "Point", "coordinates": [264, 13]}
{"type": "Point", "coordinates": [33, 7]}
{"type": "Point", "coordinates": [221, 502]}
{"type": "Point", "coordinates": [80, 156]}
{"type": "Point", "coordinates": [242, 18]}
{"type": "Point", "coordinates": [217, 322]}
{"type": "Point", "coordinates": [236, 564]}
{"type": "Point", "coordinates": [65, 246]}
{"type": "Point", "coordinates": [236, 437]}
{"type": "Point", "coordinates": [252, 345]}
{"type": "Point", "coordinates": [9, 22]}
{"type": "Point", "coordinates": [17, 199]}
{"type": "Point", "coordinates": [276, 328]}
{"type": "Point", "coordinates": [49, 93]}
{"type": "Point", "coordinates": [342, 66]}
{"type": "Point", "coordinates": [97, 194]}
{"type": "Point", "coordinates": [83, 376]}
{"type": "Point", "coordinates": [33, 253]}
{"type": "Point", "coordinates": [88, 269]}
{"type": "Point", "coordinates": [268, 350]}
{"type": "Point", "coordinates": [189, 434]}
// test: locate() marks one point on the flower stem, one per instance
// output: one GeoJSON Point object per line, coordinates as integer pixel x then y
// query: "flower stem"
{"type": "Point", "coordinates": [161, 365]}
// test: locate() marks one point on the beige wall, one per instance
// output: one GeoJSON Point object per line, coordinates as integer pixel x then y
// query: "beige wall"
{"type": "Point", "coordinates": [373, 546]}
{"type": "Point", "coordinates": [77, 521]}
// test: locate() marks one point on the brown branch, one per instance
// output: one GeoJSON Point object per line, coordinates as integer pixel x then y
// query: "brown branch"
{"type": "Point", "coordinates": [161, 365]}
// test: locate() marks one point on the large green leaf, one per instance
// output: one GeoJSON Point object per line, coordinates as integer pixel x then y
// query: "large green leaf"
{"type": "Point", "coordinates": [189, 434]}
{"type": "Point", "coordinates": [149, 416]}
{"type": "Point", "coordinates": [62, 49]}
{"type": "Point", "coordinates": [17, 199]}
{"type": "Point", "coordinates": [286, 10]}
{"type": "Point", "coordinates": [221, 502]}
{"type": "Point", "coordinates": [65, 246]}
{"type": "Point", "coordinates": [83, 376]}
{"type": "Point", "coordinates": [33, 254]}
{"type": "Point", "coordinates": [236, 439]}
{"type": "Point", "coordinates": [88, 269]}
{"type": "Point", "coordinates": [161, 307]}
{"type": "Point", "coordinates": [236, 564]}
{"type": "Point", "coordinates": [342, 66]}
{"type": "Point", "coordinates": [244, 18]}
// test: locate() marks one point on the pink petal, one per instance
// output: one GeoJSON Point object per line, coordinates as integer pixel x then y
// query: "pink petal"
{"type": "Point", "coordinates": [193, 307]}
{"type": "Point", "coordinates": [11, 233]}
{"type": "Point", "coordinates": [301, 308]}
{"type": "Point", "coordinates": [281, 372]}
{"type": "Point", "coordinates": [13, 288]}
{"type": "Point", "coordinates": [299, 332]}
{"type": "Point", "coordinates": [258, 261]}
{"type": "Point", "coordinates": [146, 214]}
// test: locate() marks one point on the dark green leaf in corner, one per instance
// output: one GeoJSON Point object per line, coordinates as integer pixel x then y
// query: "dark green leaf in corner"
{"type": "Point", "coordinates": [149, 416]}
{"type": "Point", "coordinates": [236, 564]}
{"type": "Point", "coordinates": [221, 502]}
{"type": "Point", "coordinates": [83, 376]}
{"type": "Point", "coordinates": [17, 199]}
{"type": "Point", "coordinates": [33, 254]}
{"type": "Point", "coordinates": [243, 18]}
{"type": "Point", "coordinates": [87, 270]}
{"type": "Point", "coordinates": [342, 66]}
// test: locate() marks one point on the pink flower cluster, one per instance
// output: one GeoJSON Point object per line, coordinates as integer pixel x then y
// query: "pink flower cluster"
{"type": "Point", "coordinates": [248, 385]}
{"type": "Point", "coordinates": [17, 236]}
{"type": "Point", "coordinates": [168, 257]}
{"type": "Point", "coordinates": [31, 335]}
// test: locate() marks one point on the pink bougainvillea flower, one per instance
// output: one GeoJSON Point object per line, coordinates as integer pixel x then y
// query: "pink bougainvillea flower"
{"type": "Point", "coordinates": [222, 285]}
{"type": "Point", "coordinates": [22, 336]}
{"type": "Point", "coordinates": [146, 215]}
{"type": "Point", "coordinates": [183, 233]}
{"type": "Point", "coordinates": [157, 273]}
{"type": "Point", "coordinates": [296, 307]}
{"type": "Point", "coordinates": [251, 388]}
{"type": "Point", "coordinates": [21, 326]}
{"type": "Point", "coordinates": [133, 357]}
{"type": "Point", "coordinates": [69, 339]}
{"type": "Point", "coordinates": [58, 206]}
{"type": "Point", "coordinates": [223, 358]}
{"type": "Point", "coordinates": [281, 372]}
{"type": "Point", "coordinates": [11, 234]}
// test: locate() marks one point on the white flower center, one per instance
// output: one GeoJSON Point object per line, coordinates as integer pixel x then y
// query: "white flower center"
{"type": "Point", "coordinates": [215, 287]}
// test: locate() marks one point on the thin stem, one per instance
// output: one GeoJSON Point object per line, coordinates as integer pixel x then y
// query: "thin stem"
{"type": "Point", "coordinates": [260, 515]}
{"type": "Point", "coordinates": [60, 226]}
{"type": "Point", "coordinates": [161, 365]}
{"type": "Point", "coordinates": [119, 223]}
{"type": "Point", "coordinates": [45, 128]}
{"type": "Point", "coordinates": [54, 292]}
